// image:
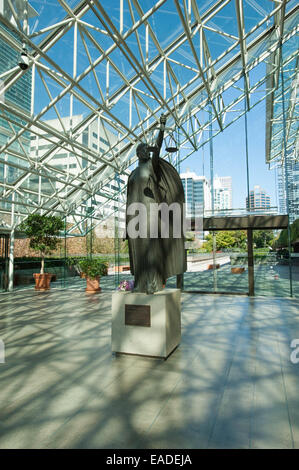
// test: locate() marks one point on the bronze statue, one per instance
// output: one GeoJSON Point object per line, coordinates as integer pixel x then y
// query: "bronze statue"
{"type": "Point", "coordinates": [153, 259]}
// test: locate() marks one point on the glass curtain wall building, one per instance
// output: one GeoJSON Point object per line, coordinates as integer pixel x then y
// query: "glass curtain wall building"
{"type": "Point", "coordinates": [20, 96]}
{"type": "Point", "coordinates": [258, 199]}
{"type": "Point", "coordinates": [197, 193]}
{"type": "Point", "coordinates": [292, 183]}
{"type": "Point", "coordinates": [223, 193]}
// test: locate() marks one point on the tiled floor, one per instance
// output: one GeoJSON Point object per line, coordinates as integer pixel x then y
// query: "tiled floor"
{"type": "Point", "coordinates": [230, 384]}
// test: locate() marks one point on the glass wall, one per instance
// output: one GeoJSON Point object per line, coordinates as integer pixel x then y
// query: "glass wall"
{"type": "Point", "coordinates": [88, 239]}
{"type": "Point", "coordinates": [3, 262]}
{"type": "Point", "coordinates": [214, 270]}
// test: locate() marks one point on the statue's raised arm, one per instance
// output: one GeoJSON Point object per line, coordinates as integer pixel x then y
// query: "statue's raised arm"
{"type": "Point", "coordinates": [158, 144]}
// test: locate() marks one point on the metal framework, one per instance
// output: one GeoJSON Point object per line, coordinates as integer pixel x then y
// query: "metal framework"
{"type": "Point", "coordinates": [120, 64]}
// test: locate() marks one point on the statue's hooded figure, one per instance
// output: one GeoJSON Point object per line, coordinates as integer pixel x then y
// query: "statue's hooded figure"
{"type": "Point", "coordinates": [154, 257]}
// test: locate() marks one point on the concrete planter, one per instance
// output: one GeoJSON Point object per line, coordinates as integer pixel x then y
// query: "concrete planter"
{"type": "Point", "coordinates": [237, 270]}
{"type": "Point", "coordinates": [42, 281]}
{"type": "Point", "coordinates": [211, 266]}
{"type": "Point", "coordinates": [92, 285]}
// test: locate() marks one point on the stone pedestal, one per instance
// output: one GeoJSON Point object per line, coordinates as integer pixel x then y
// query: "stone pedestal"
{"type": "Point", "coordinates": [147, 325]}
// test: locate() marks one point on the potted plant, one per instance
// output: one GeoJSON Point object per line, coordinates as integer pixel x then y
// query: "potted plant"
{"type": "Point", "coordinates": [73, 262]}
{"type": "Point", "coordinates": [92, 269]}
{"type": "Point", "coordinates": [43, 233]}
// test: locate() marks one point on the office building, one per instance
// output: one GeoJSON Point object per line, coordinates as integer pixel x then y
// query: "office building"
{"type": "Point", "coordinates": [197, 193]}
{"type": "Point", "coordinates": [222, 193]}
{"type": "Point", "coordinates": [95, 138]}
{"type": "Point", "coordinates": [258, 199]}
{"type": "Point", "coordinates": [292, 176]}
{"type": "Point", "coordinates": [18, 96]}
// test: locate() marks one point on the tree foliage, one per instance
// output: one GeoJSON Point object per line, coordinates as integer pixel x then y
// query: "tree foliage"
{"type": "Point", "coordinates": [227, 240]}
{"type": "Point", "coordinates": [43, 233]}
{"type": "Point", "coordinates": [236, 240]}
{"type": "Point", "coordinates": [263, 238]}
{"type": "Point", "coordinates": [90, 267]}
{"type": "Point", "coordinates": [282, 240]}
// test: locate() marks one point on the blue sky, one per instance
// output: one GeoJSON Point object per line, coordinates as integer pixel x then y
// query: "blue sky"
{"type": "Point", "coordinates": [230, 157]}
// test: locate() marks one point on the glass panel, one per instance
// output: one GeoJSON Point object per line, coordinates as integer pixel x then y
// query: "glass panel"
{"type": "Point", "coordinates": [271, 267]}
{"type": "Point", "coordinates": [3, 262]}
{"type": "Point", "coordinates": [295, 270]}
{"type": "Point", "coordinates": [221, 270]}
{"type": "Point", "coordinates": [231, 264]}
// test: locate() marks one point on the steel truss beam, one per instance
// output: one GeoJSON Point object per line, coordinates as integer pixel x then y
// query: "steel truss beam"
{"type": "Point", "coordinates": [181, 99]}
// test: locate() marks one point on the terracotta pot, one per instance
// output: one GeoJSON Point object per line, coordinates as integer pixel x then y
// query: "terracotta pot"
{"type": "Point", "coordinates": [42, 281]}
{"type": "Point", "coordinates": [217, 266]}
{"type": "Point", "coordinates": [92, 285]}
{"type": "Point", "coordinates": [237, 270]}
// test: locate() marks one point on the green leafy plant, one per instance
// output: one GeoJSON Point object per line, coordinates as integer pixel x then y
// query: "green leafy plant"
{"type": "Point", "coordinates": [282, 240]}
{"type": "Point", "coordinates": [263, 238]}
{"type": "Point", "coordinates": [227, 240]}
{"type": "Point", "coordinates": [90, 267]}
{"type": "Point", "coordinates": [43, 233]}
{"type": "Point", "coordinates": [75, 263]}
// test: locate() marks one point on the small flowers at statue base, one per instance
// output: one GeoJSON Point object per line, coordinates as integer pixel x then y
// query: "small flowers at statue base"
{"type": "Point", "coordinates": [126, 286]}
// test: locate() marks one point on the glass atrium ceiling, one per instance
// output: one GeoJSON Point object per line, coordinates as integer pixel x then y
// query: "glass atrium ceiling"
{"type": "Point", "coordinates": [101, 73]}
